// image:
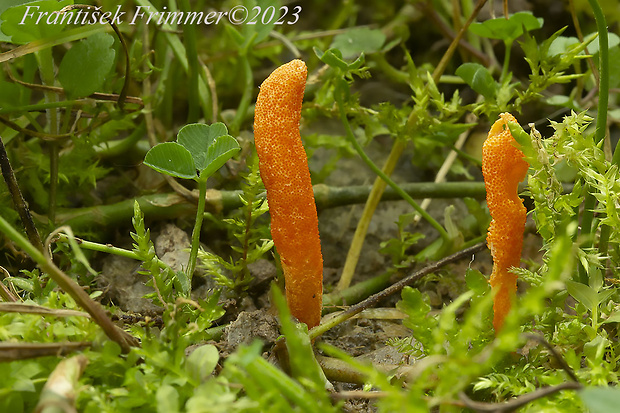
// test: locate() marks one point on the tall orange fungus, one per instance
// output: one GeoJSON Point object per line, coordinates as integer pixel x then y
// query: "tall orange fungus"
{"type": "Point", "coordinates": [503, 168]}
{"type": "Point", "coordinates": [284, 169]}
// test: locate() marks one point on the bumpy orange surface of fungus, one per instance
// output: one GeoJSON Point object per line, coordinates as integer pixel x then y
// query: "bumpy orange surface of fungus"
{"type": "Point", "coordinates": [503, 168]}
{"type": "Point", "coordinates": [284, 169]}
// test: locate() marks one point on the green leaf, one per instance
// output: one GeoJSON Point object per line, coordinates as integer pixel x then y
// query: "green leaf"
{"type": "Point", "coordinates": [10, 93]}
{"type": "Point", "coordinates": [263, 24]}
{"type": "Point", "coordinates": [562, 44]}
{"type": "Point", "coordinates": [476, 281]}
{"type": "Point", "coordinates": [75, 248]}
{"type": "Point", "coordinates": [7, 4]}
{"type": "Point", "coordinates": [565, 101]}
{"type": "Point", "coordinates": [86, 65]}
{"type": "Point", "coordinates": [262, 378]}
{"type": "Point", "coordinates": [332, 58]}
{"type": "Point", "coordinates": [21, 25]}
{"type": "Point", "coordinates": [526, 20]}
{"type": "Point", "coordinates": [198, 137]}
{"type": "Point", "coordinates": [356, 41]}
{"type": "Point", "coordinates": [479, 79]}
{"type": "Point", "coordinates": [301, 356]}
{"type": "Point", "coordinates": [507, 29]}
{"type": "Point", "coordinates": [523, 140]}
{"type": "Point", "coordinates": [614, 61]}
{"type": "Point", "coordinates": [167, 399]}
{"type": "Point", "coordinates": [603, 295]}
{"type": "Point", "coordinates": [209, 146]}
{"type": "Point", "coordinates": [450, 225]}
{"type": "Point", "coordinates": [417, 308]}
{"type": "Point", "coordinates": [172, 159]}
{"type": "Point", "coordinates": [201, 363]}
{"type": "Point", "coordinates": [13, 401]}
{"type": "Point", "coordinates": [235, 35]}
{"type": "Point", "coordinates": [600, 399]}
{"type": "Point", "coordinates": [182, 282]}
{"type": "Point", "coordinates": [583, 293]}
{"type": "Point", "coordinates": [24, 284]}
{"type": "Point", "coordinates": [612, 39]}
{"type": "Point", "coordinates": [613, 318]}
{"type": "Point", "coordinates": [357, 64]}
{"type": "Point", "coordinates": [222, 149]}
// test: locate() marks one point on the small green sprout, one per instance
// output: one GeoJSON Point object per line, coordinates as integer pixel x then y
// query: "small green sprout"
{"type": "Point", "coordinates": [199, 151]}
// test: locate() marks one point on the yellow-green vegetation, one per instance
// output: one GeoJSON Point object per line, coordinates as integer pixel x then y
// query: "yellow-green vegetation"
{"type": "Point", "coordinates": [121, 118]}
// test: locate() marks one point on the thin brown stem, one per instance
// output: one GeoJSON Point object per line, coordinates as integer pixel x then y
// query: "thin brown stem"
{"type": "Point", "coordinates": [577, 26]}
{"type": "Point", "coordinates": [394, 288]}
{"type": "Point", "coordinates": [358, 394]}
{"type": "Point", "coordinates": [5, 293]}
{"type": "Point", "coordinates": [554, 353]}
{"type": "Point", "coordinates": [22, 351]}
{"type": "Point", "coordinates": [18, 200]}
{"type": "Point", "coordinates": [96, 311]}
{"type": "Point", "coordinates": [432, 14]}
{"type": "Point", "coordinates": [517, 402]}
{"type": "Point", "coordinates": [111, 97]}
{"type": "Point", "coordinates": [443, 63]}
{"type": "Point", "coordinates": [22, 308]}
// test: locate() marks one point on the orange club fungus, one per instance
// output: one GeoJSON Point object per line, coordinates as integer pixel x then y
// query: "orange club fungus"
{"type": "Point", "coordinates": [503, 168]}
{"type": "Point", "coordinates": [284, 169]}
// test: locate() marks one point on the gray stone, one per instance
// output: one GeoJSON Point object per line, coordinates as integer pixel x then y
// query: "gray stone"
{"type": "Point", "coordinates": [252, 325]}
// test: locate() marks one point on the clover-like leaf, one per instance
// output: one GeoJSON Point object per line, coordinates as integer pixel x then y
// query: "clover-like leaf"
{"type": "Point", "coordinates": [507, 29]}
{"type": "Point", "coordinates": [612, 41]}
{"type": "Point", "coordinates": [561, 45]}
{"type": "Point", "coordinates": [32, 21]}
{"type": "Point", "coordinates": [198, 137]}
{"type": "Point", "coordinates": [356, 41]}
{"type": "Point", "coordinates": [172, 159]}
{"type": "Point", "coordinates": [7, 4]}
{"type": "Point", "coordinates": [200, 150]}
{"type": "Point", "coordinates": [220, 151]}
{"type": "Point", "coordinates": [86, 65]}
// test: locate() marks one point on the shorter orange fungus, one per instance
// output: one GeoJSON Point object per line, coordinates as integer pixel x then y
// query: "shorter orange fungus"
{"type": "Point", "coordinates": [284, 169]}
{"type": "Point", "coordinates": [503, 168]}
